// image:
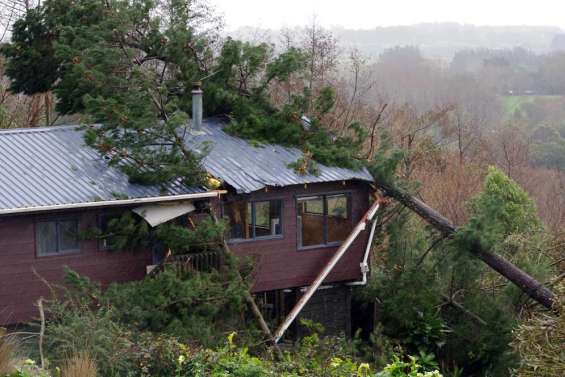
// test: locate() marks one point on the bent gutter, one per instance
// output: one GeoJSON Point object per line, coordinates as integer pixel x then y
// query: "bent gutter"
{"type": "Point", "coordinates": [109, 203]}
{"type": "Point", "coordinates": [326, 270]}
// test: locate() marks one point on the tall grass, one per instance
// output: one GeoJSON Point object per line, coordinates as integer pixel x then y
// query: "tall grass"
{"type": "Point", "coordinates": [7, 354]}
{"type": "Point", "coordinates": [80, 365]}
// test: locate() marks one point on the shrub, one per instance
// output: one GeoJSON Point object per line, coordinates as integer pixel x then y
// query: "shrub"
{"type": "Point", "coordinates": [7, 354]}
{"type": "Point", "coordinates": [80, 365]}
{"type": "Point", "coordinates": [539, 341]}
{"type": "Point", "coordinates": [400, 368]}
{"type": "Point", "coordinates": [79, 330]}
{"type": "Point", "coordinates": [196, 307]}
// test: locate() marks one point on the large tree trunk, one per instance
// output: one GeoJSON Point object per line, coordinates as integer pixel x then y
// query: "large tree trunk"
{"type": "Point", "coordinates": [524, 281]}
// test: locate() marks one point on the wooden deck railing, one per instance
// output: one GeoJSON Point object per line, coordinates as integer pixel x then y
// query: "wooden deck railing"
{"type": "Point", "coordinates": [204, 262]}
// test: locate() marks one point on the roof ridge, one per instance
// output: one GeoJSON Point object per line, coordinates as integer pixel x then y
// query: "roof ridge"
{"type": "Point", "coordinates": [29, 130]}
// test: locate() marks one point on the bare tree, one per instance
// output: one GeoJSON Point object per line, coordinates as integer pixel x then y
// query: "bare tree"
{"type": "Point", "coordinates": [322, 49]}
{"type": "Point", "coordinates": [475, 111]}
{"type": "Point", "coordinates": [10, 12]}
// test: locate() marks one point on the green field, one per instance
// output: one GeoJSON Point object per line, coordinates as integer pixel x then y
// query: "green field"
{"type": "Point", "coordinates": [512, 104]}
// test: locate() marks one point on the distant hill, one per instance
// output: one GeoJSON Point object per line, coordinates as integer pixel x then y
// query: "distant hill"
{"type": "Point", "coordinates": [438, 40]}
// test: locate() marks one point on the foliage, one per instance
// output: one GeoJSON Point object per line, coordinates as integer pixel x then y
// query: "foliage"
{"type": "Point", "coordinates": [134, 330]}
{"type": "Point", "coordinates": [311, 358]}
{"type": "Point", "coordinates": [435, 297]}
{"type": "Point", "coordinates": [205, 236]}
{"type": "Point", "coordinates": [7, 354]}
{"type": "Point", "coordinates": [501, 209]}
{"type": "Point", "coordinates": [79, 365]}
{"type": "Point", "coordinates": [130, 232]}
{"type": "Point", "coordinates": [539, 341]}
{"type": "Point", "coordinates": [124, 232]}
{"type": "Point", "coordinates": [550, 154]}
{"type": "Point", "coordinates": [200, 307]}
{"type": "Point", "coordinates": [32, 66]}
{"type": "Point", "coordinates": [406, 369]}
{"type": "Point", "coordinates": [75, 328]}
{"type": "Point", "coordinates": [417, 326]}
{"type": "Point", "coordinates": [130, 67]}
{"type": "Point", "coordinates": [28, 368]}
{"type": "Point", "coordinates": [386, 160]}
{"type": "Point", "coordinates": [194, 306]}
{"type": "Point", "coordinates": [103, 56]}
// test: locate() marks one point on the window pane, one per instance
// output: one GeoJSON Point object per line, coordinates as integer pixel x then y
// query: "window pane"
{"type": "Point", "coordinates": [311, 220]}
{"type": "Point", "coordinates": [276, 217]}
{"type": "Point", "coordinates": [68, 235]}
{"type": "Point", "coordinates": [249, 221]}
{"type": "Point", "coordinates": [46, 237]}
{"type": "Point", "coordinates": [267, 218]}
{"type": "Point", "coordinates": [238, 215]}
{"type": "Point", "coordinates": [314, 205]}
{"type": "Point", "coordinates": [107, 240]}
{"type": "Point", "coordinates": [338, 220]}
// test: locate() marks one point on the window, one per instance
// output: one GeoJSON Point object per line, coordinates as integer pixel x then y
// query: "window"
{"type": "Point", "coordinates": [106, 240]}
{"type": "Point", "coordinates": [54, 237]}
{"type": "Point", "coordinates": [323, 219]}
{"type": "Point", "coordinates": [249, 220]}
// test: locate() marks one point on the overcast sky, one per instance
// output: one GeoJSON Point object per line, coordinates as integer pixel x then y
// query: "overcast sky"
{"type": "Point", "coordinates": [365, 14]}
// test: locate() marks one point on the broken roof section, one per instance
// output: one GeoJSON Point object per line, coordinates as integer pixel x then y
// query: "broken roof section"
{"type": "Point", "coordinates": [249, 168]}
{"type": "Point", "coordinates": [50, 167]}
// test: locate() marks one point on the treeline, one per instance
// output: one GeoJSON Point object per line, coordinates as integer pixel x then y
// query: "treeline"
{"type": "Point", "coordinates": [439, 40]}
{"type": "Point", "coordinates": [514, 71]}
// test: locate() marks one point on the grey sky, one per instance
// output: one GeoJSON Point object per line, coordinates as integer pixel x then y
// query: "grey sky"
{"type": "Point", "coordinates": [364, 14]}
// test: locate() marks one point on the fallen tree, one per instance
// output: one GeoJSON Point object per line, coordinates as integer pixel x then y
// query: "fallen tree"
{"type": "Point", "coordinates": [533, 288]}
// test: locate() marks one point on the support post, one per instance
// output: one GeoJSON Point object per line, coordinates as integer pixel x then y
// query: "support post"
{"type": "Point", "coordinates": [326, 271]}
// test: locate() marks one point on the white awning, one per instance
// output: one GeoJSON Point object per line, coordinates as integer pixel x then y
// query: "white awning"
{"type": "Point", "coordinates": [156, 214]}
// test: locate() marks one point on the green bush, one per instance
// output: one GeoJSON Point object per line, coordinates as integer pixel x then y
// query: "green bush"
{"type": "Point", "coordinates": [399, 368]}
{"type": "Point", "coordinates": [442, 300]}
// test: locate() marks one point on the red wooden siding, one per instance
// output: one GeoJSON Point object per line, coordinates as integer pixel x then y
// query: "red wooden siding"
{"type": "Point", "coordinates": [20, 287]}
{"type": "Point", "coordinates": [280, 264]}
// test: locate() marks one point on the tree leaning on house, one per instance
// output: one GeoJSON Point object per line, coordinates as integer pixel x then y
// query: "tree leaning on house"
{"type": "Point", "coordinates": [130, 67]}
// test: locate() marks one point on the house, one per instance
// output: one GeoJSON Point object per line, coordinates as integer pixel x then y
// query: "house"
{"type": "Point", "coordinates": [290, 225]}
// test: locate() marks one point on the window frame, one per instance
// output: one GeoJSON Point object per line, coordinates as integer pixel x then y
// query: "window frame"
{"type": "Point", "coordinates": [253, 220]}
{"type": "Point", "coordinates": [57, 222]}
{"type": "Point", "coordinates": [324, 196]}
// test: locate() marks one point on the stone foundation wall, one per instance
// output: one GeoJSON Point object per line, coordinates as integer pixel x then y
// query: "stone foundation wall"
{"type": "Point", "coordinates": [330, 307]}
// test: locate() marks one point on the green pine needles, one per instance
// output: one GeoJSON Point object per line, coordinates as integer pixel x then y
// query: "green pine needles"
{"type": "Point", "coordinates": [130, 66]}
{"type": "Point", "coordinates": [503, 208]}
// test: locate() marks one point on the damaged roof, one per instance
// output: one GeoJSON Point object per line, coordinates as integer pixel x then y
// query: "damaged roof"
{"type": "Point", "coordinates": [247, 167]}
{"type": "Point", "coordinates": [42, 167]}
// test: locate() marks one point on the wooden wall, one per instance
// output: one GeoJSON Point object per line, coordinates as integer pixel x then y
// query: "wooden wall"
{"type": "Point", "coordinates": [20, 287]}
{"type": "Point", "coordinates": [280, 263]}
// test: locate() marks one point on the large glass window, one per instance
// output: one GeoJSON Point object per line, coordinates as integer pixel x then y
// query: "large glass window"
{"type": "Point", "coordinates": [311, 220]}
{"type": "Point", "coordinates": [54, 237]}
{"type": "Point", "coordinates": [323, 219]}
{"type": "Point", "coordinates": [250, 220]}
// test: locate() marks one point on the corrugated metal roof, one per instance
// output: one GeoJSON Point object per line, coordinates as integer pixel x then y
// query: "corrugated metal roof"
{"type": "Point", "coordinates": [249, 168]}
{"type": "Point", "coordinates": [52, 166]}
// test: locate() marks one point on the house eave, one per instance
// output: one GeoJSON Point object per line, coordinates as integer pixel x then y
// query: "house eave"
{"type": "Point", "coordinates": [112, 203]}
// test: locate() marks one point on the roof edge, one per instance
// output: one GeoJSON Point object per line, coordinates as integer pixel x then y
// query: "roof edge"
{"type": "Point", "coordinates": [30, 130]}
{"type": "Point", "coordinates": [111, 203]}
